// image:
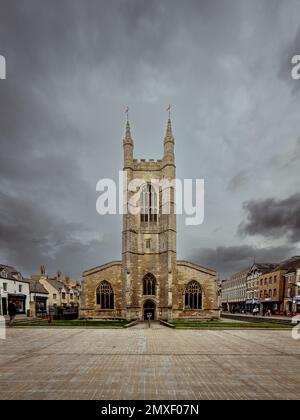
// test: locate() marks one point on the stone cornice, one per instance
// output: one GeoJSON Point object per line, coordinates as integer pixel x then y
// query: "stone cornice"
{"type": "Point", "coordinates": [197, 267]}
{"type": "Point", "coordinates": [101, 267]}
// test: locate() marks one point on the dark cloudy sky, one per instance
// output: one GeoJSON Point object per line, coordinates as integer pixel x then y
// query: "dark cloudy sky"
{"type": "Point", "coordinates": [73, 66]}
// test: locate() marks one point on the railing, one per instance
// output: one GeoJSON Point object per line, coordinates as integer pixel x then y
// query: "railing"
{"type": "Point", "coordinates": [60, 313]}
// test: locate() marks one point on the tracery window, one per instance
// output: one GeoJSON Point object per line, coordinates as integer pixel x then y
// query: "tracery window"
{"type": "Point", "coordinates": [149, 284]}
{"type": "Point", "coordinates": [193, 296]}
{"type": "Point", "coordinates": [105, 296]}
{"type": "Point", "coordinates": [149, 204]}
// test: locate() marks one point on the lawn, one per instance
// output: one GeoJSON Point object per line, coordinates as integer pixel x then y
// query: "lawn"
{"type": "Point", "coordinates": [74, 323]}
{"type": "Point", "coordinates": [227, 325]}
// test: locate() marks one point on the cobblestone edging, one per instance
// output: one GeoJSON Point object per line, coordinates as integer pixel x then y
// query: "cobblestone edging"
{"type": "Point", "coordinates": [166, 324]}
{"type": "Point", "coordinates": [131, 324]}
{"type": "Point", "coordinates": [251, 318]}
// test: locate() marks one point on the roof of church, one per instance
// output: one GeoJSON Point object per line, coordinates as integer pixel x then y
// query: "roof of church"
{"type": "Point", "coordinates": [101, 267]}
{"type": "Point", "coordinates": [197, 267]}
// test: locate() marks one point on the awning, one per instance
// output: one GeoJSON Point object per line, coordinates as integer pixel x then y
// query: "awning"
{"type": "Point", "coordinates": [41, 298]}
{"type": "Point", "coordinates": [252, 302]}
{"type": "Point", "coordinates": [16, 295]}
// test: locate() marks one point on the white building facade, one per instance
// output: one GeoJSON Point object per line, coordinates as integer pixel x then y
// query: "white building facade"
{"type": "Point", "coordinates": [15, 289]}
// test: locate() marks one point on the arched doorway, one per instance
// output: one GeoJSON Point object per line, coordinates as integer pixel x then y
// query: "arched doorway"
{"type": "Point", "coordinates": [149, 308]}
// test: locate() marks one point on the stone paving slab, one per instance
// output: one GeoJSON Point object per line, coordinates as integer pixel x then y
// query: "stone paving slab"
{"type": "Point", "coordinates": [143, 363]}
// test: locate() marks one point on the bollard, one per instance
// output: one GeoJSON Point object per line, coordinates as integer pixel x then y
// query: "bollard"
{"type": "Point", "coordinates": [149, 317]}
{"type": "Point", "coordinates": [2, 328]}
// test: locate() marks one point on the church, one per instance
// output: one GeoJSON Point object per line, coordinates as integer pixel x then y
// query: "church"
{"type": "Point", "coordinates": [149, 281]}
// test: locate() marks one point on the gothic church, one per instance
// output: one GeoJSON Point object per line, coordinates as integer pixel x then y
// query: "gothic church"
{"type": "Point", "coordinates": [149, 280]}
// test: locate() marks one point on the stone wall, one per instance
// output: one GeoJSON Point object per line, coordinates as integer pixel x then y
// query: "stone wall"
{"type": "Point", "coordinates": [207, 279]}
{"type": "Point", "coordinates": [112, 273]}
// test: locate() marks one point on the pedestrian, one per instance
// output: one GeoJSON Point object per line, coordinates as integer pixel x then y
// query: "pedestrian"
{"type": "Point", "coordinates": [12, 311]}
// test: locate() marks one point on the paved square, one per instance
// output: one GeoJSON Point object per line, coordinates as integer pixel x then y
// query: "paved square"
{"type": "Point", "coordinates": [142, 363]}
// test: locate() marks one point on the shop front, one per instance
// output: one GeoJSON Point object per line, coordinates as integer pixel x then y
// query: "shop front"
{"type": "Point", "coordinates": [296, 304]}
{"type": "Point", "coordinates": [3, 305]}
{"type": "Point", "coordinates": [19, 300]}
{"type": "Point", "coordinates": [269, 305]}
{"type": "Point", "coordinates": [252, 304]}
{"type": "Point", "coordinates": [41, 305]}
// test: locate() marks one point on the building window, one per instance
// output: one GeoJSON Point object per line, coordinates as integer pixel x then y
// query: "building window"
{"type": "Point", "coordinates": [148, 243]}
{"type": "Point", "coordinates": [270, 293]}
{"type": "Point", "coordinates": [63, 295]}
{"type": "Point", "coordinates": [193, 296]}
{"type": "Point", "coordinates": [71, 296]}
{"type": "Point", "coordinates": [149, 284]}
{"type": "Point", "coordinates": [4, 287]}
{"type": "Point", "coordinates": [261, 282]}
{"type": "Point", "coordinates": [266, 281]}
{"type": "Point", "coordinates": [270, 280]}
{"type": "Point", "coordinates": [105, 296]}
{"type": "Point", "coordinates": [20, 288]}
{"type": "Point", "coordinates": [3, 274]}
{"type": "Point", "coordinates": [54, 296]}
{"type": "Point", "coordinates": [149, 204]}
{"type": "Point", "coordinates": [275, 279]}
{"type": "Point", "coordinates": [275, 292]}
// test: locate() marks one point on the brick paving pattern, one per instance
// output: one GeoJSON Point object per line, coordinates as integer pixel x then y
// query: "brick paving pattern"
{"type": "Point", "coordinates": [143, 363]}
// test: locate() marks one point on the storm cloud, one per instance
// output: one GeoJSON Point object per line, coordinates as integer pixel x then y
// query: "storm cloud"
{"type": "Point", "coordinates": [273, 218]}
{"type": "Point", "coordinates": [232, 259]}
{"type": "Point", "coordinates": [73, 67]}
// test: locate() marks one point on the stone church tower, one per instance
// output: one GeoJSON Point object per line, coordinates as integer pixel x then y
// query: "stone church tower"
{"type": "Point", "coordinates": [149, 281]}
{"type": "Point", "coordinates": [149, 238]}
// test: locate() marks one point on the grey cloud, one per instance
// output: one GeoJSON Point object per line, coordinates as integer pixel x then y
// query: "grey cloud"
{"type": "Point", "coordinates": [30, 236]}
{"type": "Point", "coordinates": [238, 181]}
{"type": "Point", "coordinates": [273, 218]}
{"type": "Point", "coordinates": [73, 66]}
{"type": "Point", "coordinates": [232, 259]}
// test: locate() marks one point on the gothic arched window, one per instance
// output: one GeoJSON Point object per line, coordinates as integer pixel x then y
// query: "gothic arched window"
{"type": "Point", "coordinates": [149, 284]}
{"type": "Point", "coordinates": [193, 296]}
{"type": "Point", "coordinates": [149, 204]}
{"type": "Point", "coordinates": [105, 295]}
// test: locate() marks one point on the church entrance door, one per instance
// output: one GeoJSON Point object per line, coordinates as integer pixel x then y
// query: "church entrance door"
{"type": "Point", "coordinates": [149, 308]}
